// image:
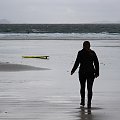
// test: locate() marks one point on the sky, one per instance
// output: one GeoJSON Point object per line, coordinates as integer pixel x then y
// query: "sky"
{"type": "Point", "coordinates": [60, 11]}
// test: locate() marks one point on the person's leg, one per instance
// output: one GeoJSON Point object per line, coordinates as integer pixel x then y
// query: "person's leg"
{"type": "Point", "coordinates": [82, 80]}
{"type": "Point", "coordinates": [89, 88]}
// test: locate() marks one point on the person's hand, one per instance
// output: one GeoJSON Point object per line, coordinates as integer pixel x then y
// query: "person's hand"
{"type": "Point", "coordinates": [72, 72]}
{"type": "Point", "coordinates": [96, 75]}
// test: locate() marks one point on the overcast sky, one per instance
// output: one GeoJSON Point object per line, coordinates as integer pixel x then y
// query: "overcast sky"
{"type": "Point", "coordinates": [60, 11]}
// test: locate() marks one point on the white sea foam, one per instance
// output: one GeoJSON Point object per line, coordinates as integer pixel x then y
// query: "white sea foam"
{"type": "Point", "coordinates": [59, 36]}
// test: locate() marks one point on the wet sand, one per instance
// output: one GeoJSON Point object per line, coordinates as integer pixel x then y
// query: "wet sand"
{"type": "Point", "coordinates": [18, 67]}
{"type": "Point", "coordinates": [28, 92]}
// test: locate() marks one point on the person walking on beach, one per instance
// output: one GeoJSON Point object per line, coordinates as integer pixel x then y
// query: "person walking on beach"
{"type": "Point", "coordinates": [88, 71]}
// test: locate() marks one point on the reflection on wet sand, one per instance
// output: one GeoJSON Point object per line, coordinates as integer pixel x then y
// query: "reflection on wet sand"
{"type": "Point", "coordinates": [84, 114]}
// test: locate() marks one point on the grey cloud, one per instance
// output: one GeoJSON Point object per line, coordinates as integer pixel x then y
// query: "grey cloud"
{"type": "Point", "coordinates": [59, 11]}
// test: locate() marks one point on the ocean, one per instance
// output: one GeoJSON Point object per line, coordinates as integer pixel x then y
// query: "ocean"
{"type": "Point", "coordinates": [59, 31]}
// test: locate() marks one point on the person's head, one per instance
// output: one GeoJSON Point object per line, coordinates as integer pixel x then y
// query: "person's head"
{"type": "Point", "coordinates": [86, 45]}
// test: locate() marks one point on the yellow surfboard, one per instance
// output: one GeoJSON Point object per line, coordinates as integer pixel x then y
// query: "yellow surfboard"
{"type": "Point", "coordinates": [40, 57]}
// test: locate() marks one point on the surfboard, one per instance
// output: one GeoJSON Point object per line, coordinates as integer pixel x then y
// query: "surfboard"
{"type": "Point", "coordinates": [40, 57]}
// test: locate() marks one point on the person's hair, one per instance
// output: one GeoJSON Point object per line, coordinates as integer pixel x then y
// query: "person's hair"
{"type": "Point", "coordinates": [86, 44]}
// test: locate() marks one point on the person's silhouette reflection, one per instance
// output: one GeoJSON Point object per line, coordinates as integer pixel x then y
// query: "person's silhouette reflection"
{"type": "Point", "coordinates": [85, 114]}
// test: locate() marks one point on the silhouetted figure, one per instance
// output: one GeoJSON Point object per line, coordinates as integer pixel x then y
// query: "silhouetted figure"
{"type": "Point", "coordinates": [88, 71]}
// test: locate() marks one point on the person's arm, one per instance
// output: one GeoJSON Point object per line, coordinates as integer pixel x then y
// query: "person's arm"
{"type": "Point", "coordinates": [76, 64]}
{"type": "Point", "coordinates": [96, 63]}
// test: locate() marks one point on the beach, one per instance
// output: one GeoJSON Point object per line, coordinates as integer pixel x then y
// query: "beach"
{"type": "Point", "coordinates": [43, 89]}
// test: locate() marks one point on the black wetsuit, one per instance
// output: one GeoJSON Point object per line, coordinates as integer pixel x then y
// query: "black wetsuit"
{"type": "Point", "coordinates": [89, 68]}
